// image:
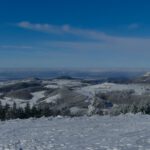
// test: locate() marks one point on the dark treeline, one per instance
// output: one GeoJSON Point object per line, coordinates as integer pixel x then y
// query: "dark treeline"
{"type": "Point", "coordinates": [14, 112]}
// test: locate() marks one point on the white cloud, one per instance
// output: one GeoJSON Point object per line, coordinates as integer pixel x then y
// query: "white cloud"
{"type": "Point", "coordinates": [66, 29]}
{"type": "Point", "coordinates": [44, 27]}
{"type": "Point", "coordinates": [96, 39]}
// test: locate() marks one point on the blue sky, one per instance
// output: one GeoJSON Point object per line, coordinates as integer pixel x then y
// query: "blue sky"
{"type": "Point", "coordinates": [74, 33]}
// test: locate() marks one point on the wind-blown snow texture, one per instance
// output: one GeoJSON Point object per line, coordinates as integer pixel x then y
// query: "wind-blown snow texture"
{"type": "Point", "coordinates": [124, 132]}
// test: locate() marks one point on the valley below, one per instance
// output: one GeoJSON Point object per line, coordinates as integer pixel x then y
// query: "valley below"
{"type": "Point", "coordinates": [68, 96]}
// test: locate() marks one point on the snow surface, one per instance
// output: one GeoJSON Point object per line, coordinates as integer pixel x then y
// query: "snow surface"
{"type": "Point", "coordinates": [36, 97]}
{"type": "Point", "coordinates": [53, 99]}
{"type": "Point", "coordinates": [124, 132]}
{"type": "Point", "coordinates": [147, 74]}
{"type": "Point", "coordinates": [21, 102]}
{"type": "Point", "coordinates": [107, 87]}
{"type": "Point", "coordinates": [84, 89]}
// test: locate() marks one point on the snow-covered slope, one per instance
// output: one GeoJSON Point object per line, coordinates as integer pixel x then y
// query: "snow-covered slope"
{"type": "Point", "coordinates": [106, 87]}
{"type": "Point", "coordinates": [64, 95]}
{"type": "Point", "coordinates": [146, 74]}
{"type": "Point", "coordinates": [145, 78]}
{"type": "Point", "coordinates": [125, 132]}
{"type": "Point", "coordinates": [45, 85]}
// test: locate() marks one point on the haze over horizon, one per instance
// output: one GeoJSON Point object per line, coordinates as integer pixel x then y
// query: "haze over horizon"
{"type": "Point", "coordinates": [74, 34]}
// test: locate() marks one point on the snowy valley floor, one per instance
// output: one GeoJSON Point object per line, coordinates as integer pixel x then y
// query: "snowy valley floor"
{"type": "Point", "coordinates": [124, 132]}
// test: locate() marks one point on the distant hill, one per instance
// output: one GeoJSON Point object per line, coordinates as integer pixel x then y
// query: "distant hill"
{"type": "Point", "coordinates": [145, 78]}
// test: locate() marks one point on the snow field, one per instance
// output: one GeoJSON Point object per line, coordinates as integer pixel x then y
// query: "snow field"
{"type": "Point", "coordinates": [124, 132]}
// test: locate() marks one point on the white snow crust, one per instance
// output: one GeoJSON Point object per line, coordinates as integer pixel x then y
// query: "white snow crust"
{"type": "Point", "coordinates": [124, 132]}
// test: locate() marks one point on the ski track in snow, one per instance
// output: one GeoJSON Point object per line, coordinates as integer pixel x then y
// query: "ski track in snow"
{"type": "Point", "coordinates": [124, 132]}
